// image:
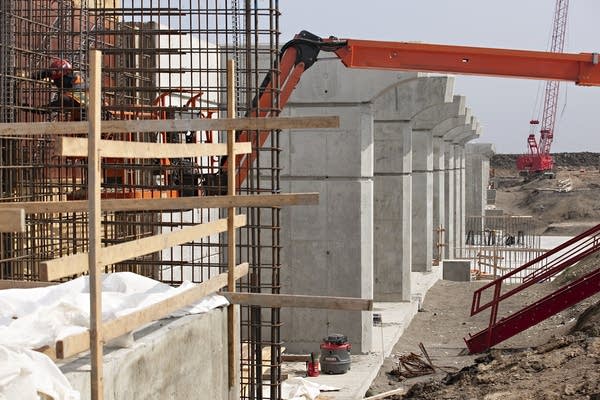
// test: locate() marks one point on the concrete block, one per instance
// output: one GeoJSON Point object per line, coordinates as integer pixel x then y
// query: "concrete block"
{"type": "Point", "coordinates": [393, 147]}
{"type": "Point", "coordinates": [343, 152]}
{"type": "Point", "coordinates": [457, 270]}
{"type": "Point", "coordinates": [177, 358]}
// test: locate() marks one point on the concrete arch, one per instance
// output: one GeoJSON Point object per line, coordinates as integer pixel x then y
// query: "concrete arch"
{"type": "Point", "coordinates": [405, 99]}
{"type": "Point", "coordinates": [430, 117]}
{"type": "Point", "coordinates": [444, 128]}
{"type": "Point", "coordinates": [329, 81]}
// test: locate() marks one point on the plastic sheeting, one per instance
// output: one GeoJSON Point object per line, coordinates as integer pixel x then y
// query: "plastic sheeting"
{"type": "Point", "coordinates": [303, 389]}
{"type": "Point", "coordinates": [33, 318]}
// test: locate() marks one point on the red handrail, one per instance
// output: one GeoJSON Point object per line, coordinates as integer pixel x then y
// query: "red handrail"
{"type": "Point", "coordinates": [579, 247]}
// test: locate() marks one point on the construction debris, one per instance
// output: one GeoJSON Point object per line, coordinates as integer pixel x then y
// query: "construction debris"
{"type": "Point", "coordinates": [412, 365]}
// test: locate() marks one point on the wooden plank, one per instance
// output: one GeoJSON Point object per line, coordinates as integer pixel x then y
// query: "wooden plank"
{"type": "Point", "coordinates": [295, 357]}
{"type": "Point", "coordinates": [385, 395]}
{"type": "Point", "coordinates": [48, 351]}
{"type": "Point", "coordinates": [77, 147]}
{"type": "Point", "coordinates": [232, 322]}
{"type": "Point", "coordinates": [74, 344]}
{"type": "Point", "coordinates": [171, 125]}
{"type": "Point", "coordinates": [181, 203]}
{"type": "Point", "coordinates": [78, 263]}
{"type": "Point", "coordinates": [12, 219]}
{"type": "Point", "coordinates": [300, 301]}
{"type": "Point", "coordinates": [11, 284]}
{"type": "Point", "coordinates": [95, 226]}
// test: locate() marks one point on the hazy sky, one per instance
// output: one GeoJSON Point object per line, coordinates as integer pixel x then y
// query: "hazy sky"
{"type": "Point", "coordinates": [503, 106]}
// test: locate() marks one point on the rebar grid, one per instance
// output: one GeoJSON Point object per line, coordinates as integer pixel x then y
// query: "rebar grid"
{"type": "Point", "coordinates": [499, 244]}
{"type": "Point", "coordinates": [162, 59]}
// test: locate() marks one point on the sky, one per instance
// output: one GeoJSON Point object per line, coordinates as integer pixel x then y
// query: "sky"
{"type": "Point", "coordinates": [504, 106]}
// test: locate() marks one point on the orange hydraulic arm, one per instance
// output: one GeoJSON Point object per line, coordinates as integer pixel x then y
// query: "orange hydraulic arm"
{"type": "Point", "coordinates": [302, 51]}
{"type": "Point", "coordinates": [583, 68]}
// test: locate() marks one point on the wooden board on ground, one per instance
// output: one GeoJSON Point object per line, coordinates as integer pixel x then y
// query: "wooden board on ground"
{"type": "Point", "coordinates": [386, 395]}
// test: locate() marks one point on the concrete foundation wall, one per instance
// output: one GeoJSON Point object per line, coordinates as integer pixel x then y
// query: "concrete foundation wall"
{"type": "Point", "coordinates": [179, 358]}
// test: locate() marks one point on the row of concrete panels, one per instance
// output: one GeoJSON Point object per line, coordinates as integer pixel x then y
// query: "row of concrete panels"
{"type": "Point", "coordinates": [394, 171]}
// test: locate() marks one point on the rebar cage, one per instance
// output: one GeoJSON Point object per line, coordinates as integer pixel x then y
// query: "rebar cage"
{"type": "Point", "coordinates": [162, 59]}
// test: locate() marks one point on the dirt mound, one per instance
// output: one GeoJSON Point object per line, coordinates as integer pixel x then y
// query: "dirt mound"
{"type": "Point", "coordinates": [565, 367]}
{"type": "Point", "coordinates": [582, 159]}
{"type": "Point", "coordinates": [559, 358]}
{"type": "Point", "coordinates": [578, 270]}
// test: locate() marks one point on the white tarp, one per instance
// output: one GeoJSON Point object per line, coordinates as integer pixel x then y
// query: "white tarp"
{"type": "Point", "coordinates": [303, 389]}
{"type": "Point", "coordinates": [24, 374]}
{"type": "Point", "coordinates": [33, 318]}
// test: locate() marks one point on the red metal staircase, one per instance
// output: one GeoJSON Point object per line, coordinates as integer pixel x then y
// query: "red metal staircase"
{"type": "Point", "coordinates": [550, 264]}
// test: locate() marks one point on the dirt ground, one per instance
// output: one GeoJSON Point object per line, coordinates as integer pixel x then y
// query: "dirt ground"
{"type": "Point", "coordinates": [555, 211]}
{"type": "Point", "coordinates": [556, 359]}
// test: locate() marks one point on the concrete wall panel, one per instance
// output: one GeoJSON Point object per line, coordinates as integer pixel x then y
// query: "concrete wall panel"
{"type": "Point", "coordinates": [153, 368]}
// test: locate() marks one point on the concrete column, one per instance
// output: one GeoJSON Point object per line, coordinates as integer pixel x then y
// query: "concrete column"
{"type": "Point", "coordinates": [478, 172]}
{"type": "Point", "coordinates": [398, 246]}
{"type": "Point", "coordinates": [392, 211]}
{"type": "Point", "coordinates": [437, 121]}
{"type": "Point", "coordinates": [451, 129]}
{"type": "Point", "coordinates": [328, 249]}
{"type": "Point", "coordinates": [422, 197]}
{"type": "Point", "coordinates": [439, 167]}
{"type": "Point", "coordinates": [449, 186]}
{"type": "Point", "coordinates": [459, 195]}
{"type": "Point", "coordinates": [471, 131]}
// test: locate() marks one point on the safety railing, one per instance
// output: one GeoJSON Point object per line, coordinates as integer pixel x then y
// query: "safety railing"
{"type": "Point", "coordinates": [552, 262]}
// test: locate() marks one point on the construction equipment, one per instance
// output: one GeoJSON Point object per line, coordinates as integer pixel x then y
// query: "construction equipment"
{"type": "Point", "coordinates": [301, 53]}
{"type": "Point", "coordinates": [335, 354]}
{"type": "Point", "coordinates": [538, 160]}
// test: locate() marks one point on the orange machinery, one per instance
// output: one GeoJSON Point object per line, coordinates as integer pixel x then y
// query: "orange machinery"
{"type": "Point", "coordinates": [301, 52]}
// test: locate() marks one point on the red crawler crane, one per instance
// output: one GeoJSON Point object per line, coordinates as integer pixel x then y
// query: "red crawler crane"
{"type": "Point", "coordinates": [538, 158]}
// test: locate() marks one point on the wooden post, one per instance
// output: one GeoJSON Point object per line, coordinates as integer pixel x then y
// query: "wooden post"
{"type": "Point", "coordinates": [94, 224]}
{"type": "Point", "coordinates": [231, 314]}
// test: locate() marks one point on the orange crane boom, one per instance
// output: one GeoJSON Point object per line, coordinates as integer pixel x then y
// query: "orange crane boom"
{"type": "Point", "coordinates": [301, 52]}
{"type": "Point", "coordinates": [538, 158]}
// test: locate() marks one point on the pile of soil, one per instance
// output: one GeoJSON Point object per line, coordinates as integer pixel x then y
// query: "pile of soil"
{"type": "Point", "coordinates": [556, 359]}
{"type": "Point", "coordinates": [583, 159]}
{"type": "Point", "coordinates": [566, 367]}
{"type": "Point", "coordinates": [554, 210]}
